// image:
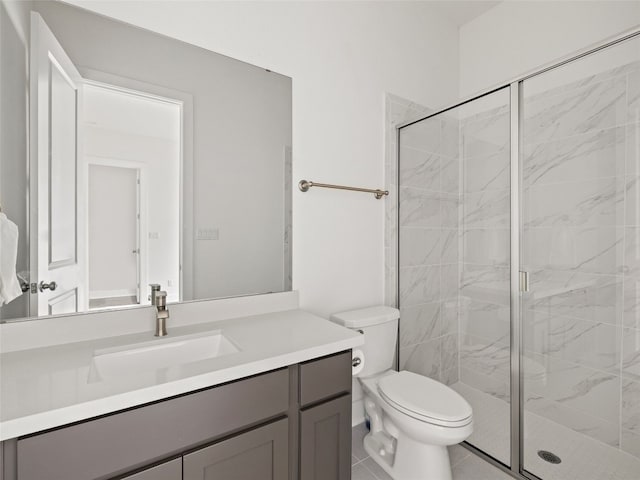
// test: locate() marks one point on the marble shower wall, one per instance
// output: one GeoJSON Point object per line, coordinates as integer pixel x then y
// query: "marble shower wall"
{"type": "Point", "coordinates": [484, 311]}
{"type": "Point", "coordinates": [397, 112]}
{"type": "Point", "coordinates": [581, 244]}
{"type": "Point", "coordinates": [428, 222]}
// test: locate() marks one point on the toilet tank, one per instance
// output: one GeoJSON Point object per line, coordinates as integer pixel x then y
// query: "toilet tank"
{"type": "Point", "coordinates": [380, 328]}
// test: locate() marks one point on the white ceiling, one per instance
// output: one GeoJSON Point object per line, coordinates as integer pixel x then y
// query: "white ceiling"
{"type": "Point", "coordinates": [461, 11]}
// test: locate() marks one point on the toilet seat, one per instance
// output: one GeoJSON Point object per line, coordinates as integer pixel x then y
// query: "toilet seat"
{"type": "Point", "coordinates": [425, 399]}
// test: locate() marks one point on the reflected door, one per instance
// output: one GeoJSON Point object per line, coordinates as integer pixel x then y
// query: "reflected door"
{"type": "Point", "coordinates": [56, 247]}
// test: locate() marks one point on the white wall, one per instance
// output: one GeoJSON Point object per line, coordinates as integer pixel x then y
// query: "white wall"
{"type": "Point", "coordinates": [518, 36]}
{"type": "Point", "coordinates": [342, 57]}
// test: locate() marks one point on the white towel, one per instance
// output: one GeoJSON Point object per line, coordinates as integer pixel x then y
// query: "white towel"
{"type": "Point", "coordinates": [9, 284]}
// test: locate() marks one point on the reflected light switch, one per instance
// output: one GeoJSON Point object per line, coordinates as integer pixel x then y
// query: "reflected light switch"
{"type": "Point", "coordinates": [207, 234]}
{"type": "Point", "coordinates": [154, 235]}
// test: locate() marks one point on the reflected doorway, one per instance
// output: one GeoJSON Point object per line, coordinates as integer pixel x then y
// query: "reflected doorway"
{"type": "Point", "coordinates": [131, 144]}
{"type": "Point", "coordinates": [114, 246]}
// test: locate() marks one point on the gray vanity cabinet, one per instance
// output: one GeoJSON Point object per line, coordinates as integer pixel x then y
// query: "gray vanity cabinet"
{"type": "Point", "coordinates": [171, 470]}
{"type": "Point", "coordinates": [260, 454]}
{"type": "Point", "coordinates": [325, 441]}
{"type": "Point", "coordinates": [325, 418]}
{"type": "Point", "coordinates": [287, 424]}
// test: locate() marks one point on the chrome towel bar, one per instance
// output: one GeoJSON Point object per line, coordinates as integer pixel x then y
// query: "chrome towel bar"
{"type": "Point", "coordinates": [305, 185]}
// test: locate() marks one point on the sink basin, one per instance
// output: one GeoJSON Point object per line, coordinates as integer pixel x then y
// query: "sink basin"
{"type": "Point", "coordinates": [159, 354]}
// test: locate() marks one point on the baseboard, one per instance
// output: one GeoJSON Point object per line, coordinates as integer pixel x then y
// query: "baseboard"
{"type": "Point", "coordinates": [357, 413]}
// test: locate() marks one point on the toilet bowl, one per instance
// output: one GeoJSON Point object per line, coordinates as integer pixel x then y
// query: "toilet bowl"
{"type": "Point", "coordinates": [413, 418]}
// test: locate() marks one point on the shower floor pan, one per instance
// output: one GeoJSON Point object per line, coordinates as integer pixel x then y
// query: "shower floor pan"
{"type": "Point", "coordinates": [583, 458]}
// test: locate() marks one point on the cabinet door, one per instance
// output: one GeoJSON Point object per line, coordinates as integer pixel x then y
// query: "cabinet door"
{"type": "Point", "coordinates": [260, 454]}
{"type": "Point", "coordinates": [171, 470]}
{"type": "Point", "coordinates": [325, 441]}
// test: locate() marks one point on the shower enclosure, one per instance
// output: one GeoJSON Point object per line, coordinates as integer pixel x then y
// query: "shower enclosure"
{"type": "Point", "coordinates": [519, 264]}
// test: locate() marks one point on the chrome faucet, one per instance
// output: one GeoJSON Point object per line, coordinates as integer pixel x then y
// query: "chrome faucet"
{"type": "Point", "coordinates": [160, 301]}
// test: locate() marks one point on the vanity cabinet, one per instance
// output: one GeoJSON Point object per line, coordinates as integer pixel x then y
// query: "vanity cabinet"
{"type": "Point", "coordinates": [260, 454]}
{"type": "Point", "coordinates": [171, 470]}
{"type": "Point", "coordinates": [325, 418]}
{"type": "Point", "coordinates": [325, 439]}
{"type": "Point", "coordinates": [265, 427]}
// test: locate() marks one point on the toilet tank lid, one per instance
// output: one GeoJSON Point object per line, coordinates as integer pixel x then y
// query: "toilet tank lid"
{"type": "Point", "coordinates": [366, 317]}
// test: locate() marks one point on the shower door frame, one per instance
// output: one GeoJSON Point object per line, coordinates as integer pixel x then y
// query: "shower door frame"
{"type": "Point", "coordinates": [516, 467]}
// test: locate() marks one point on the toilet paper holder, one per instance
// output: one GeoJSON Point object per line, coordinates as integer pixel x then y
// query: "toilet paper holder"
{"type": "Point", "coordinates": [356, 361]}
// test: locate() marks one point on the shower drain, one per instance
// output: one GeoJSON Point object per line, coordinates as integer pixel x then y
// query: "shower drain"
{"type": "Point", "coordinates": [549, 457]}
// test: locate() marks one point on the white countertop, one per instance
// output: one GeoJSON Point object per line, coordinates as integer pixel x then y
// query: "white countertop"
{"type": "Point", "coordinates": [47, 387]}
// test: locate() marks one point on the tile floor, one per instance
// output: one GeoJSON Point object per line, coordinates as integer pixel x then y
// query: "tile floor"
{"type": "Point", "coordinates": [465, 465]}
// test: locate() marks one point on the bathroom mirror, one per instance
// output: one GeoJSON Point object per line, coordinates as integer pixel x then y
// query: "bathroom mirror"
{"type": "Point", "coordinates": [129, 158]}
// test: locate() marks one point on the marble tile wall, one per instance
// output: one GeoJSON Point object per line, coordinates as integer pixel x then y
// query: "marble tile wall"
{"type": "Point", "coordinates": [397, 112]}
{"type": "Point", "coordinates": [581, 328]}
{"type": "Point", "coordinates": [484, 312]}
{"type": "Point", "coordinates": [428, 222]}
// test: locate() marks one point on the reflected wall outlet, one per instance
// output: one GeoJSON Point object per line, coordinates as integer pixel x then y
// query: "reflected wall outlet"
{"type": "Point", "coordinates": [154, 235]}
{"type": "Point", "coordinates": [207, 234]}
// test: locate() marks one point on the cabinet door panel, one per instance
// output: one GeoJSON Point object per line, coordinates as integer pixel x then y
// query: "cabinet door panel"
{"type": "Point", "coordinates": [260, 454]}
{"type": "Point", "coordinates": [325, 441]}
{"type": "Point", "coordinates": [171, 470]}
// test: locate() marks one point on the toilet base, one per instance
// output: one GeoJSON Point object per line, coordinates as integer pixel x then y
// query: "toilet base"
{"type": "Point", "coordinates": [407, 459]}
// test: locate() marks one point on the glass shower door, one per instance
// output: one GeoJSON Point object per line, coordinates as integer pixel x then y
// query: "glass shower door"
{"type": "Point", "coordinates": [454, 262]}
{"type": "Point", "coordinates": [580, 245]}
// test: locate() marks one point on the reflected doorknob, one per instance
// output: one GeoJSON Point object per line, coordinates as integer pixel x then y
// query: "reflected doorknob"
{"type": "Point", "coordinates": [44, 286]}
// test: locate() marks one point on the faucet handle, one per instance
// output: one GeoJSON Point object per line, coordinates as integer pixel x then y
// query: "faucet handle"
{"type": "Point", "coordinates": [160, 297]}
{"type": "Point", "coordinates": [155, 287]}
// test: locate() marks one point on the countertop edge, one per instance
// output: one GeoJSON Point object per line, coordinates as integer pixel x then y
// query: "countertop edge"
{"type": "Point", "coordinates": [38, 422]}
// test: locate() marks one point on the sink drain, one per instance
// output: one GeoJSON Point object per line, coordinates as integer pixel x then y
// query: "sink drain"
{"type": "Point", "coordinates": [549, 457]}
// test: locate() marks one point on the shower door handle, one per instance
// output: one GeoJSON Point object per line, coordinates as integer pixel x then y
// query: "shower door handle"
{"type": "Point", "coordinates": [524, 282]}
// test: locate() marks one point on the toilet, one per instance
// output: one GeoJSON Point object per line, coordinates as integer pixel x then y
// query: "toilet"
{"type": "Point", "coordinates": [413, 418]}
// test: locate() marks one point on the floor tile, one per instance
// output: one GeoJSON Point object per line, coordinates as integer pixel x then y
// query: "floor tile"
{"type": "Point", "coordinates": [474, 468]}
{"type": "Point", "coordinates": [457, 453]}
{"type": "Point", "coordinates": [376, 469]}
{"type": "Point", "coordinates": [359, 472]}
{"type": "Point", "coordinates": [357, 446]}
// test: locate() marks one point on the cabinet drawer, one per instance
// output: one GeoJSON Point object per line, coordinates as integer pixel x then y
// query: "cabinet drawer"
{"type": "Point", "coordinates": [260, 454]}
{"type": "Point", "coordinates": [117, 443]}
{"type": "Point", "coordinates": [324, 378]}
{"type": "Point", "coordinates": [171, 470]}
